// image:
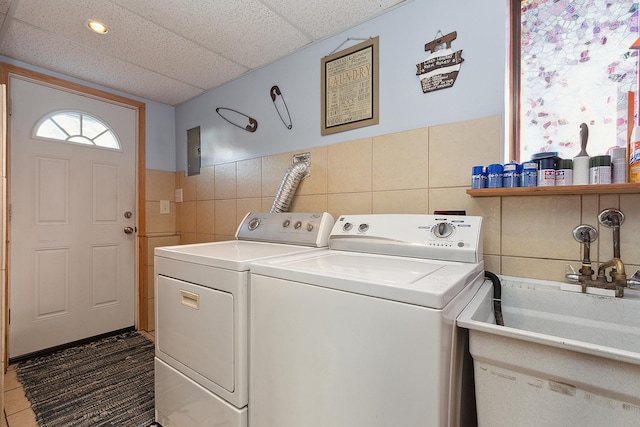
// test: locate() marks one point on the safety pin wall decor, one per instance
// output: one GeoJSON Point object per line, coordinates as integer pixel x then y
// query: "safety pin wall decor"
{"type": "Point", "coordinates": [442, 66]}
{"type": "Point", "coordinates": [281, 105]}
{"type": "Point", "coordinates": [238, 119]}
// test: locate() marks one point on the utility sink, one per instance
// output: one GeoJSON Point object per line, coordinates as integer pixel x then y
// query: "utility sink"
{"type": "Point", "coordinates": [562, 358]}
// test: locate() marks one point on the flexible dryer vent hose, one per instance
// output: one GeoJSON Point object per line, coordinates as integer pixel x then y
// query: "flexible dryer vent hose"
{"type": "Point", "coordinates": [292, 177]}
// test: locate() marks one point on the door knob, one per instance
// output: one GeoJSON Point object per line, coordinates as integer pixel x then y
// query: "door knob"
{"type": "Point", "coordinates": [128, 230]}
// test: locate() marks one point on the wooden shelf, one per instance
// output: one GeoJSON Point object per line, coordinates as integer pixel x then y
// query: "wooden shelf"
{"type": "Point", "coordinates": [551, 191]}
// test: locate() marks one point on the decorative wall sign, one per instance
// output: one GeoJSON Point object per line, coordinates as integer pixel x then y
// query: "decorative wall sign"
{"type": "Point", "coordinates": [281, 106]}
{"type": "Point", "coordinates": [349, 85]}
{"type": "Point", "coordinates": [442, 66]}
{"type": "Point", "coordinates": [238, 119]}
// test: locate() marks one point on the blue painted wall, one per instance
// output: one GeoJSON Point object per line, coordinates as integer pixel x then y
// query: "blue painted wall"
{"type": "Point", "coordinates": [478, 92]}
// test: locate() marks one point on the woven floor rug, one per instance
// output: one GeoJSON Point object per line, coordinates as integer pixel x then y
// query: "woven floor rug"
{"type": "Point", "coordinates": [108, 382]}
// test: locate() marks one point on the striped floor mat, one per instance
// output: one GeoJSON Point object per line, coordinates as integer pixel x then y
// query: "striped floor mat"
{"type": "Point", "coordinates": [108, 382]}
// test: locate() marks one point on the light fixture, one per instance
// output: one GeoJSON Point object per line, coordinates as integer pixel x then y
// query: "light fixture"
{"type": "Point", "coordinates": [97, 27]}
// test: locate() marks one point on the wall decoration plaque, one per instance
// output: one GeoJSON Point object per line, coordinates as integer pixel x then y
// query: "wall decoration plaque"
{"type": "Point", "coordinates": [442, 66]}
{"type": "Point", "coordinates": [349, 85]}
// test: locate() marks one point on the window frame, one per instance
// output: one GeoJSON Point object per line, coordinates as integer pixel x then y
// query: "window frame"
{"type": "Point", "coordinates": [51, 115]}
{"type": "Point", "coordinates": [514, 71]}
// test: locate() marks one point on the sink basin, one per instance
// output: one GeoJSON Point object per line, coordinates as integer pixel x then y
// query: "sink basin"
{"type": "Point", "coordinates": [563, 358]}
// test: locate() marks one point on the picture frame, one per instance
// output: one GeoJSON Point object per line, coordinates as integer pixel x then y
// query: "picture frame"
{"type": "Point", "coordinates": [350, 87]}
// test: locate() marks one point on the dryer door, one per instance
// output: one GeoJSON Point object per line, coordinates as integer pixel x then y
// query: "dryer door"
{"type": "Point", "coordinates": [195, 328]}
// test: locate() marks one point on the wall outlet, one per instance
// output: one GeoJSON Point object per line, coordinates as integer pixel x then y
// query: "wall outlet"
{"type": "Point", "coordinates": [165, 207]}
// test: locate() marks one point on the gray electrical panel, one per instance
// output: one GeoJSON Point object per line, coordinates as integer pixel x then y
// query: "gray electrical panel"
{"type": "Point", "coordinates": [193, 151]}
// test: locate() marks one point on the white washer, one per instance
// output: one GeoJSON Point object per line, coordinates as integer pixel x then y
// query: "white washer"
{"type": "Point", "coordinates": [201, 296]}
{"type": "Point", "coordinates": [364, 335]}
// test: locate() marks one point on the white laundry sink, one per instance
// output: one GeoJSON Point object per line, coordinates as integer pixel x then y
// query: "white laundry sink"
{"type": "Point", "coordinates": [562, 359]}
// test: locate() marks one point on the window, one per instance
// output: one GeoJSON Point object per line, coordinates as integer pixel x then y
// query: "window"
{"type": "Point", "coordinates": [77, 128]}
{"type": "Point", "coordinates": [572, 64]}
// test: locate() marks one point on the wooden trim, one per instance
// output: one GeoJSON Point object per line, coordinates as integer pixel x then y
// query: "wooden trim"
{"type": "Point", "coordinates": [5, 71]}
{"type": "Point", "coordinates": [559, 190]}
{"type": "Point", "coordinates": [513, 63]}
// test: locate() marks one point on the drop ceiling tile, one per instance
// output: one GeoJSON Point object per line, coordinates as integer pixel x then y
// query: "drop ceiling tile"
{"type": "Point", "coordinates": [38, 48]}
{"type": "Point", "coordinates": [328, 17]}
{"type": "Point", "coordinates": [245, 30]}
{"type": "Point", "coordinates": [172, 50]}
{"type": "Point", "coordinates": [134, 40]}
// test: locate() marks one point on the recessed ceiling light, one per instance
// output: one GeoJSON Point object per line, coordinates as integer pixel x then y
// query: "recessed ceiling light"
{"type": "Point", "coordinates": [97, 27]}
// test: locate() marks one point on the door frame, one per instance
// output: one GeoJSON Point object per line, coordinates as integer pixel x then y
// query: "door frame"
{"type": "Point", "coordinates": [7, 70]}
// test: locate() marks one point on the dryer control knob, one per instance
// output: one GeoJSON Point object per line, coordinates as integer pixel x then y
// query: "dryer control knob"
{"type": "Point", "coordinates": [297, 225]}
{"type": "Point", "coordinates": [363, 227]}
{"type": "Point", "coordinates": [286, 223]}
{"type": "Point", "coordinates": [347, 226]}
{"type": "Point", "coordinates": [309, 227]}
{"type": "Point", "coordinates": [254, 223]}
{"type": "Point", "coordinates": [442, 230]}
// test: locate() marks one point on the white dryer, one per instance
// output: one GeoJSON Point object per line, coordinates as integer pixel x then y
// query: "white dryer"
{"type": "Point", "coordinates": [201, 297]}
{"type": "Point", "coordinates": [364, 334]}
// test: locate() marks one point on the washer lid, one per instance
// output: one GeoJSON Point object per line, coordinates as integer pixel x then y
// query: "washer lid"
{"type": "Point", "coordinates": [231, 255]}
{"type": "Point", "coordinates": [429, 283]}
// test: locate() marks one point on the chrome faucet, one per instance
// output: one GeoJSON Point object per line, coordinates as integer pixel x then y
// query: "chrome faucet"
{"type": "Point", "coordinates": [617, 280]}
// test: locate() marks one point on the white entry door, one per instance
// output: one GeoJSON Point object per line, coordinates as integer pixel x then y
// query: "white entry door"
{"type": "Point", "coordinates": [71, 264]}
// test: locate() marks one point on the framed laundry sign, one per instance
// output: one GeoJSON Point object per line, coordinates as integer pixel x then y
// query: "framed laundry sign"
{"type": "Point", "coordinates": [349, 85]}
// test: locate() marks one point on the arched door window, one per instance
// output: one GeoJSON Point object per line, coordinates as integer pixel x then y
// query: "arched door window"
{"type": "Point", "coordinates": [76, 128]}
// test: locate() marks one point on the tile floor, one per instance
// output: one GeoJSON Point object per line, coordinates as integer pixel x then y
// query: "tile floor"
{"type": "Point", "coordinates": [17, 408]}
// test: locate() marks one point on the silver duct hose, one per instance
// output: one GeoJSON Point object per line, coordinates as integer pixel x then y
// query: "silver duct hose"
{"type": "Point", "coordinates": [292, 177]}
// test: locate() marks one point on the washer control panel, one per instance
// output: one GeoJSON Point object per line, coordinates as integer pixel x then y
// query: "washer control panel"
{"type": "Point", "coordinates": [308, 229]}
{"type": "Point", "coordinates": [449, 238]}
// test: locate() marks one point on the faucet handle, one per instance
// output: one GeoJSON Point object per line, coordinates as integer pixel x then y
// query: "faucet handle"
{"type": "Point", "coordinates": [611, 217]}
{"type": "Point", "coordinates": [634, 281]}
{"type": "Point", "coordinates": [570, 274]}
{"type": "Point", "coordinates": [585, 233]}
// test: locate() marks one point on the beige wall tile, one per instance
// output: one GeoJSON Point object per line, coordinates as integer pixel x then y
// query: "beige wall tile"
{"type": "Point", "coordinates": [400, 160]}
{"type": "Point", "coordinates": [349, 203]}
{"type": "Point", "coordinates": [225, 185]}
{"type": "Point", "coordinates": [188, 185]}
{"type": "Point", "coordinates": [400, 202]}
{"type": "Point", "coordinates": [266, 203]}
{"type": "Point", "coordinates": [630, 230]}
{"type": "Point", "coordinates": [273, 170]}
{"type": "Point", "coordinates": [226, 221]}
{"type": "Point", "coordinates": [205, 238]}
{"type": "Point", "coordinates": [243, 206]}
{"type": "Point", "coordinates": [455, 147]}
{"type": "Point", "coordinates": [486, 207]}
{"type": "Point", "coordinates": [492, 263]}
{"type": "Point", "coordinates": [536, 268]}
{"type": "Point", "coordinates": [316, 183]}
{"type": "Point", "coordinates": [311, 203]}
{"type": "Point", "coordinates": [223, 238]}
{"type": "Point", "coordinates": [188, 217]}
{"type": "Point", "coordinates": [540, 226]}
{"type": "Point", "coordinates": [157, 223]}
{"type": "Point", "coordinates": [157, 241]}
{"type": "Point", "coordinates": [249, 178]}
{"type": "Point", "coordinates": [188, 238]}
{"type": "Point", "coordinates": [205, 217]}
{"type": "Point", "coordinates": [205, 184]}
{"type": "Point", "coordinates": [159, 185]}
{"type": "Point", "coordinates": [349, 167]}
